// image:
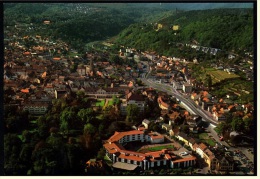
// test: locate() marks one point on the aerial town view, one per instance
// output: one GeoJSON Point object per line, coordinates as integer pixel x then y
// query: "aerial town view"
{"type": "Point", "coordinates": [129, 89]}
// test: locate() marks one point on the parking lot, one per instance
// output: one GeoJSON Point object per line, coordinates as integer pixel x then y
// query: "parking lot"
{"type": "Point", "coordinates": [243, 162]}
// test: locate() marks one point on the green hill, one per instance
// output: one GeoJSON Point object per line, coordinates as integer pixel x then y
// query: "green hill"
{"type": "Point", "coordinates": [226, 29]}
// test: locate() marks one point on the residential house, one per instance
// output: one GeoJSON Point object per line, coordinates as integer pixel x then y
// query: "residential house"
{"type": "Point", "coordinates": [11, 84]}
{"type": "Point", "coordinates": [154, 138]}
{"type": "Point", "coordinates": [36, 108]}
{"type": "Point", "coordinates": [135, 99]}
{"type": "Point", "coordinates": [193, 120]}
{"type": "Point", "coordinates": [200, 148]}
{"type": "Point", "coordinates": [167, 127]}
{"type": "Point", "coordinates": [60, 93]}
{"type": "Point", "coordinates": [219, 116]}
{"type": "Point", "coordinates": [187, 88]}
{"type": "Point", "coordinates": [206, 103]}
{"type": "Point", "coordinates": [224, 163]}
{"type": "Point", "coordinates": [178, 85]}
{"type": "Point", "coordinates": [81, 71]}
{"type": "Point", "coordinates": [103, 92]}
{"type": "Point", "coordinates": [173, 116]}
{"type": "Point", "coordinates": [146, 123]}
{"type": "Point", "coordinates": [183, 137]}
{"type": "Point", "coordinates": [163, 105]}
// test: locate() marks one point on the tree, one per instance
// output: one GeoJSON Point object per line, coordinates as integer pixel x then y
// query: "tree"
{"type": "Point", "coordinates": [47, 161]}
{"type": "Point", "coordinates": [249, 125]}
{"type": "Point", "coordinates": [133, 112]}
{"type": "Point", "coordinates": [89, 129]}
{"type": "Point", "coordinates": [26, 136]}
{"type": "Point", "coordinates": [26, 154]}
{"type": "Point", "coordinates": [56, 141]}
{"type": "Point", "coordinates": [101, 128]}
{"type": "Point", "coordinates": [80, 95]}
{"type": "Point", "coordinates": [66, 122]}
{"type": "Point", "coordinates": [86, 115]}
{"type": "Point", "coordinates": [115, 59]}
{"type": "Point", "coordinates": [111, 113]}
{"type": "Point", "coordinates": [222, 127]}
{"type": "Point", "coordinates": [101, 154]}
{"type": "Point", "coordinates": [12, 148]}
{"type": "Point", "coordinates": [238, 124]}
{"type": "Point", "coordinates": [185, 129]}
{"type": "Point", "coordinates": [115, 100]}
{"type": "Point", "coordinates": [11, 122]}
{"type": "Point", "coordinates": [75, 155]}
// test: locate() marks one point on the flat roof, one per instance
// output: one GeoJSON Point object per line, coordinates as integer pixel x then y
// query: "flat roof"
{"type": "Point", "coordinates": [125, 166]}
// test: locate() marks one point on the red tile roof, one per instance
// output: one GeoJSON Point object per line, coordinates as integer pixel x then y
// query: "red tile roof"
{"type": "Point", "coordinates": [136, 97]}
{"type": "Point", "coordinates": [132, 157]}
{"type": "Point", "coordinates": [56, 58]}
{"type": "Point", "coordinates": [184, 159]}
{"type": "Point", "coordinates": [26, 53]}
{"type": "Point", "coordinates": [118, 149]}
{"type": "Point", "coordinates": [160, 101]}
{"type": "Point", "coordinates": [202, 146]}
{"type": "Point", "coordinates": [118, 135]}
{"type": "Point", "coordinates": [25, 90]}
{"type": "Point", "coordinates": [155, 136]}
{"type": "Point", "coordinates": [113, 147]}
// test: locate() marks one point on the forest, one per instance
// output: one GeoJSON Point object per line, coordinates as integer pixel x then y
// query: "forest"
{"type": "Point", "coordinates": [134, 26]}
{"type": "Point", "coordinates": [77, 24]}
{"type": "Point", "coordinates": [225, 29]}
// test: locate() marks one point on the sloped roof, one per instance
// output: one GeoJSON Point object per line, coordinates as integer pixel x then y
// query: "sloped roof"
{"type": "Point", "coordinates": [202, 146]}
{"type": "Point", "coordinates": [136, 97]}
{"type": "Point", "coordinates": [118, 135]}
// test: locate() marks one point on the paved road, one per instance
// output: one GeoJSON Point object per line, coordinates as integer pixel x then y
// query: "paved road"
{"type": "Point", "coordinates": [167, 88]}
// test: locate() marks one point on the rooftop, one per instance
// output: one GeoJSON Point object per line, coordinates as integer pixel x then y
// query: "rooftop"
{"type": "Point", "coordinates": [125, 166]}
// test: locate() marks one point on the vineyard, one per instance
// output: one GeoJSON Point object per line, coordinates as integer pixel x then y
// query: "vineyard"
{"type": "Point", "coordinates": [218, 75]}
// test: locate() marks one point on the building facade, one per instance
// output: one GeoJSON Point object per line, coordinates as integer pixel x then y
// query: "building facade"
{"type": "Point", "coordinates": [120, 156]}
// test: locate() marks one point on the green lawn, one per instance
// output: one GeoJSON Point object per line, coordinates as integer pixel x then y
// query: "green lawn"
{"type": "Point", "coordinates": [110, 102]}
{"type": "Point", "coordinates": [211, 142]}
{"type": "Point", "coordinates": [157, 148]}
{"type": "Point", "coordinates": [100, 103]}
{"type": "Point", "coordinates": [203, 136]}
{"type": "Point", "coordinates": [108, 161]}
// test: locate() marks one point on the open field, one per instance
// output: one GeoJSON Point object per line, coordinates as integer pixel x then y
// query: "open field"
{"type": "Point", "coordinates": [110, 102]}
{"type": "Point", "coordinates": [205, 138]}
{"type": "Point", "coordinates": [218, 75]}
{"type": "Point", "coordinates": [100, 103]}
{"type": "Point", "coordinates": [156, 148]}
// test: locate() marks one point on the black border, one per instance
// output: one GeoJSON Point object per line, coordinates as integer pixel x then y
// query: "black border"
{"type": "Point", "coordinates": [127, 1]}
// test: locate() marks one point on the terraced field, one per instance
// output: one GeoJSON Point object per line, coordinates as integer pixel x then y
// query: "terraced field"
{"type": "Point", "coordinates": [218, 75]}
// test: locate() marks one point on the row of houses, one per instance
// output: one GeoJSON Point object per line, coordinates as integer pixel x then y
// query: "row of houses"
{"type": "Point", "coordinates": [218, 107]}
{"type": "Point", "coordinates": [212, 51]}
{"type": "Point", "coordinates": [215, 159]}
